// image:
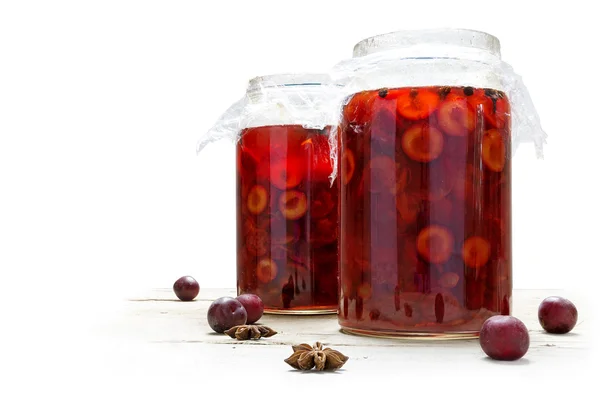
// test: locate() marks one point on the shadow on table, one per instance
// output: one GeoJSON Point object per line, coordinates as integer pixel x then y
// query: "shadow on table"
{"type": "Point", "coordinates": [314, 371]}
{"type": "Point", "coordinates": [521, 361]}
{"type": "Point", "coordinates": [168, 300]}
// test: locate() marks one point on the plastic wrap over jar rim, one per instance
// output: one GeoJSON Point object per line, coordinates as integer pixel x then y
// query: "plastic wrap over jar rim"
{"type": "Point", "coordinates": [307, 99]}
{"type": "Point", "coordinates": [441, 57]}
{"type": "Point", "coordinates": [433, 41]}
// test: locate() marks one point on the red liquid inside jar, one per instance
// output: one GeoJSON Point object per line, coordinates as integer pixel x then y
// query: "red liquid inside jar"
{"type": "Point", "coordinates": [425, 223]}
{"type": "Point", "coordinates": [287, 219]}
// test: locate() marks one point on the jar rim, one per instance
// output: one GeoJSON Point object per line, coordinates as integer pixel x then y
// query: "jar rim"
{"type": "Point", "coordinates": [467, 38]}
{"type": "Point", "coordinates": [288, 79]}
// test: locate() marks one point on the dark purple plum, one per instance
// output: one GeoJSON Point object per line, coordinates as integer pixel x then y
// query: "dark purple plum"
{"type": "Point", "coordinates": [225, 313]}
{"type": "Point", "coordinates": [557, 315]}
{"type": "Point", "coordinates": [254, 306]}
{"type": "Point", "coordinates": [503, 337]}
{"type": "Point", "coordinates": [186, 288]}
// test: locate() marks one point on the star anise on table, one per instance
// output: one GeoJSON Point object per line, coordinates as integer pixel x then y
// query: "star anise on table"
{"type": "Point", "coordinates": [246, 332]}
{"type": "Point", "coordinates": [307, 357]}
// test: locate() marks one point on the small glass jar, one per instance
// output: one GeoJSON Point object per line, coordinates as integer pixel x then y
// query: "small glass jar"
{"type": "Point", "coordinates": [287, 209]}
{"type": "Point", "coordinates": [425, 196]}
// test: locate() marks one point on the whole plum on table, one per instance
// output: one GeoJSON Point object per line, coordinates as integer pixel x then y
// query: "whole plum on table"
{"type": "Point", "coordinates": [225, 313]}
{"type": "Point", "coordinates": [254, 306]}
{"type": "Point", "coordinates": [557, 315]}
{"type": "Point", "coordinates": [503, 337]}
{"type": "Point", "coordinates": [186, 288]}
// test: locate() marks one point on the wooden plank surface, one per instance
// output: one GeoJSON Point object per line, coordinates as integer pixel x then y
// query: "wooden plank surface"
{"type": "Point", "coordinates": [157, 346]}
{"type": "Point", "coordinates": [160, 318]}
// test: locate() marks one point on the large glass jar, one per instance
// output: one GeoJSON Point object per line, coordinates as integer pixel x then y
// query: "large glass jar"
{"type": "Point", "coordinates": [287, 209]}
{"type": "Point", "coordinates": [425, 175]}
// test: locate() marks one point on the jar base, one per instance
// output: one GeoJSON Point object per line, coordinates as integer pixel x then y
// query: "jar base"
{"type": "Point", "coordinates": [466, 335]}
{"type": "Point", "coordinates": [307, 311]}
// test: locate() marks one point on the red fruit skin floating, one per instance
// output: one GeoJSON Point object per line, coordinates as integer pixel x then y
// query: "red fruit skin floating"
{"type": "Point", "coordinates": [557, 315]}
{"type": "Point", "coordinates": [456, 117]}
{"type": "Point", "coordinates": [318, 158]}
{"type": "Point", "coordinates": [504, 338]}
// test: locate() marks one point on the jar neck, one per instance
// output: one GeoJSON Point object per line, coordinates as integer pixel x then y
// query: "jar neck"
{"type": "Point", "coordinates": [310, 100]}
{"type": "Point", "coordinates": [292, 91]}
{"type": "Point", "coordinates": [286, 84]}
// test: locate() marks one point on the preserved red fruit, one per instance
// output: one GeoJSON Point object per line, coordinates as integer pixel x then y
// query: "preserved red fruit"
{"type": "Point", "coordinates": [282, 230]}
{"type": "Point", "coordinates": [245, 160]}
{"type": "Point", "coordinates": [324, 232]}
{"type": "Point", "coordinates": [287, 219]}
{"type": "Point", "coordinates": [319, 158]}
{"type": "Point", "coordinates": [498, 114]}
{"type": "Point", "coordinates": [436, 181]}
{"type": "Point", "coordinates": [292, 204]}
{"type": "Point", "coordinates": [483, 106]}
{"type": "Point", "coordinates": [257, 199]}
{"type": "Point", "coordinates": [416, 103]}
{"type": "Point", "coordinates": [449, 280]}
{"type": "Point", "coordinates": [403, 178]}
{"type": "Point", "coordinates": [384, 122]}
{"type": "Point", "coordinates": [422, 142]}
{"type": "Point", "coordinates": [358, 110]}
{"type": "Point", "coordinates": [425, 200]}
{"type": "Point", "coordinates": [266, 270]}
{"type": "Point", "coordinates": [456, 117]}
{"type": "Point", "coordinates": [476, 251]}
{"type": "Point", "coordinates": [323, 201]}
{"type": "Point", "coordinates": [493, 150]}
{"type": "Point", "coordinates": [286, 173]}
{"type": "Point", "coordinates": [380, 175]}
{"type": "Point", "coordinates": [408, 207]}
{"type": "Point", "coordinates": [364, 291]}
{"type": "Point", "coordinates": [463, 189]}
{"type": "Point", "coordinates": [501, 114]}
{"type": "Point", "coordinates": [257, 242]}
{"type": "Point", "coordinates": [348, 166]}
{"type": "Point", "coordinates": [435, 244]}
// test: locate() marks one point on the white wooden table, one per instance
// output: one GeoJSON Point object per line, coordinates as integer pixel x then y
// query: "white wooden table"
{"type": "Point", "coordinates": [157, 338]}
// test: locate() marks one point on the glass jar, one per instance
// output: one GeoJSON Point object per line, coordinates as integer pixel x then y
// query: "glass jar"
{"type": "Point", "coordinates": [287, 209]}
{"type": "Point", "coordinates": [425, 195]}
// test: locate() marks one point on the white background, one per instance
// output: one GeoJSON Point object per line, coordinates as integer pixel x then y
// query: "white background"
{"type": "Point", "coordinates": [102, 104]}
{"type": "Point", "coordinates": [102, 194]}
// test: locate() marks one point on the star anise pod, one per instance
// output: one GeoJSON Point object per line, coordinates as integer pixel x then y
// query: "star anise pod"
{"type": "Point", "coordinates": [307, 357]}
{"type": "Point", "coordinates": [246, 332]}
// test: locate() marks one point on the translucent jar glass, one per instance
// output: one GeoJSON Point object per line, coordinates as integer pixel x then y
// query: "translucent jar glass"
{"type": "Point", "coordinates": [425, 187]}
{"type": "Point", "coordinates": [287, 209]}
